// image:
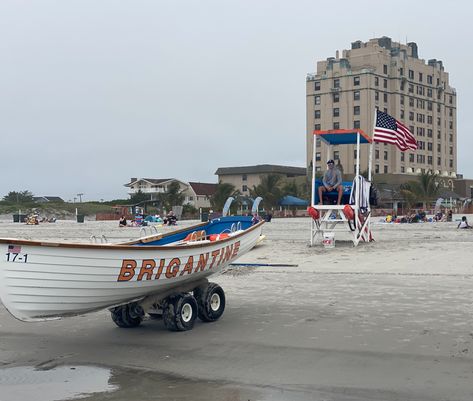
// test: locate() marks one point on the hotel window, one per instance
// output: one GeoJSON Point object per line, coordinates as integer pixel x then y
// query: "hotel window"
{"type": "Point", "coordinates": [439, 161]}
{"type": "Point", "coordinates": [356, 81]}
{"type": "Point", "coordinates": [317, 157]}
{"type": "Point", "coordinates": [385, 97]}
{"type": "Point", "coordinates": [450, 99]}
{"type": "Point", "coordinates": [450, 112]}
{"type": "Point", "coordinates": [376, 95]}
{"type": "Point", "coordinates": [411, 116]}
{"type": "Point", "coordinates": [411, 102]}
{"type": "Point", "coordinates": [356, 110]}
{"type": "Point", "coordinates": [451, 163]}
{"type": "Point", "coordinates": [336, 83]}
{"type": "Point", "coordinates": [318, 168]}
{"type": "Point", "coordinates": [411, 74]}
{"type": "Point", "coordinates": [401, 71]}
{"type": "Point", "coordinates": [402, 114]}
{"type": "Point", "coordinates": [356, 95]}
{"type": "Point", "coordinates": [450, 124]}
{"type": "Point", "coordinates": [411, 158]}
{"type": "Point", "coordinates": [439, 121]}
{"type": "Point", "coordinates": [402, 156]}
{"type": "Point", "coordinates": [385, 69]}
{"type": "Point", "coordinates": [336, 155]}
{"type": "Point", "coordinates": [429, 79]}
{"type": "Point", "coordinates": [450, 137]}
{"type": "Point", "coordinates": [317, 99]}
{"type": "Point", "coordinates": [376, 169]}
{"type": "Point", "coordinates": [451, 150]}
{"type": "Point", "coordinates": [356, 124]}
{"type": "Point", "coordinates": [429, 92]}
{"type": "Point", "coordinates": [317, 128]}
{"type": "Point", "coordinates": [318, 142]}
{"type": "Point", "coordinates": [402, 99]}
{"type": "Point", "coordinates": [376, 154]}
{"type": "Point", "coordinates": [317, 85]}
{"type": "Point", "coordinates": [429, 106]}
{"type": "Point", "coordinates": [411, 88]}
{"type": "Point", "coordinates": [430, 146]}
{"type": "Point", "coordinates": [385, 169]}
{"type": "Point", "coordinates": [402, 169]}
{"type": "Point", "coordinates": [438, 135]}
{"type": "Point", "coordinates": [438, 108]}
{"type": "Point", "coordinates": [439, 147]}
{"type": "Point", "coordinates": [420, 77]}
{"type": "Point", "coordinates": [385, 155]}
{"type": "Point", "coordinates": [376, 81]}
{"type": "Point", "coordinates": [336, 112]}
{"type": "Point", "coordinates": [244, 188]}
{"type": "Point", "coordinates": [336, 97]}
{"type": "Point", "coordinates": [429, 133]}
{"type": "Point", "coordinates": [317, 114]}
{"type": "Point", "coordinates": [244, 177]}
{"type": "Point", "coordinates": [429, 160]}
{"type": "Point", "coordinates": [336, 125]}
{"type": "Point", "coordinates": [385, 83]}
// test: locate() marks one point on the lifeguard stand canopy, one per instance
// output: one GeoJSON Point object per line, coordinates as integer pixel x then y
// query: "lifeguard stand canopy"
{"type": "Point", "coordinates": [343, 136]}
{"type": "Point", "coordinates": [334, 217]}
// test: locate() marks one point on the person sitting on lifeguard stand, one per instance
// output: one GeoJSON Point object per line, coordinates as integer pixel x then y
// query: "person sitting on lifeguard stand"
{"type": "Point", "coordinates": [332, 181]}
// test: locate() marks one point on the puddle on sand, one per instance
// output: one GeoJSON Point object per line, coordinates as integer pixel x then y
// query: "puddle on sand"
{"type": "Point", "coordinates": [153, 386]}
{"type": "Point", "coordinates": [59, 383]}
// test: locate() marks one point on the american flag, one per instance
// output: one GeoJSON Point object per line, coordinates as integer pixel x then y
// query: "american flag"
{"type": "Point", "coordinates": [388, 129]}
{"type": "Point", "coordinates": [14, 249]}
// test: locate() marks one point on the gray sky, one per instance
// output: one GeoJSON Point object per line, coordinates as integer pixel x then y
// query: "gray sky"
{"type": "Point", "coordinates": [95, 92]}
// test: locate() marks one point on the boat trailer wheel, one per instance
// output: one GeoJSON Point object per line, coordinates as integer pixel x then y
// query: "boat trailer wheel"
{"type": "Point", "coordinates": [179, 312]}
{"type": "Point", "coordinates": [211, 301]}
{"type": "Point", "coordinates": [127, 316]}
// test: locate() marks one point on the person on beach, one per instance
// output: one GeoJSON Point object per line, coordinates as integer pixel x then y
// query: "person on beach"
{"type": "Point", "coordinates": [464, 223]}
{"type": "Point", "coordinates": [122, 222]}
{"type": "Point", "coordinates": [332, 181]}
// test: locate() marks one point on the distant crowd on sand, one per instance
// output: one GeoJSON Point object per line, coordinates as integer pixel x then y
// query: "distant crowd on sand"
{"type": "Point", "coordinates": [140, 221]}
{"type": "Point", "coordinates": [421, 217]}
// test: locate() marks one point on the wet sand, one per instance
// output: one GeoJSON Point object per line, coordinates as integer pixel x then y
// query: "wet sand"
{"type": "Point", "coordinates": [389, 320]}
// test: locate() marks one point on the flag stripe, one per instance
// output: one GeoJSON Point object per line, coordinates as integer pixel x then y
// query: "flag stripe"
{"type": "Point", "coordinates": [389, 130]}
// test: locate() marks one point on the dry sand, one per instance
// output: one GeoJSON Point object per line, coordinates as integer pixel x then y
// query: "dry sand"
{"type": "Point", "coordinates": [389, 320]}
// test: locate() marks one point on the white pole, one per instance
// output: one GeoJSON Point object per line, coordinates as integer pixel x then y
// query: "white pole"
{"type": "Point", "coordinates": [313, 169]}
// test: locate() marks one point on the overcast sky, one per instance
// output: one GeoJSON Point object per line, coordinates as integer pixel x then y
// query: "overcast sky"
{"type": "Point", "coordinates": [94, 92]}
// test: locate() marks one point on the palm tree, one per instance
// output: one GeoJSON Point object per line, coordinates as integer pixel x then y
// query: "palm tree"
{"type": "Point", "coordinates": [269, 190]}
{"type": "Point", "coordinates": [222, 193]}
{"type": "Point", "coordinates": [424, 190]}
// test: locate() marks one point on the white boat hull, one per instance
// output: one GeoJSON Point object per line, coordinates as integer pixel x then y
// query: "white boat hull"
{"type": "Point", "coordinates": [49, 280]}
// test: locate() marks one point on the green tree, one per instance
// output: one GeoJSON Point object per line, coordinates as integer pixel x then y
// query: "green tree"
{"type": "Point", "coordinates": [19, 197]}
{"type": "Point", "coordinates": [424, 190]}
{"type": "Point", "coordinates": [269, 189]}
{"type": "Point", "coordinates": [223, 191]}
{"type": "Point", "coordinates": [174, 195]}
{"type": "Point", "coordinates": [139, 197]}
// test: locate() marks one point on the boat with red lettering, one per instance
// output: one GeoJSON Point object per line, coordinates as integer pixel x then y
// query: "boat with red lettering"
{"type": "Point", "coordinates": [164, 273]}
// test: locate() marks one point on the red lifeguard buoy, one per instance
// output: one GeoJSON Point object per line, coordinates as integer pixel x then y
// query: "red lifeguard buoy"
{"type": "Point", "coordinates": [313, 212]}
{"type": "Point", "coordinates": [348, 212]}
{"type": "Point", "coordinates": [216, 237]}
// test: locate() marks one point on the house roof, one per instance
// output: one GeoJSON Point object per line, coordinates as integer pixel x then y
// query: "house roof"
{"type": "Point", "coordinates": [202, 188]}
{"type": "Point", "coordinates": [262, 169]}
{"type": "Point", "coordinates": [48, 198]}
{"type": "Point", "coordinates": [150, 180]}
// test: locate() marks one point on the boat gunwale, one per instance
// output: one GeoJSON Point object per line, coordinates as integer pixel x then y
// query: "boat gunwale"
{"type": "Point", "coordinates": [132, 245]}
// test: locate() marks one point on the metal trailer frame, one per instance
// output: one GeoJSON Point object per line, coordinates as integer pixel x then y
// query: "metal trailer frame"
{"type": "Point", "coordinates": [332, 217]}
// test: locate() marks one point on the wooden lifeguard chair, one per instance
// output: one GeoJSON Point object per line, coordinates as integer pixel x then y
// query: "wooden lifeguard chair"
{"type": "Point", "coordinates": [331, 218]}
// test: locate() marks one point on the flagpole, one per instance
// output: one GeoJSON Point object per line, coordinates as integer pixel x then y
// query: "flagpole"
{"type": "Point", "coordinates": [370, 159]}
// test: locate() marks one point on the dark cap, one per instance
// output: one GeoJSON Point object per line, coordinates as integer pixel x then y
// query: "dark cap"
{"type": "Point", "coordinates": [330, 161]}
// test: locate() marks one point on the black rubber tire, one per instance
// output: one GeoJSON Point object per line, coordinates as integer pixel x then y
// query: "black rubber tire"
{"type": "Point", "coordinates": [122, 317]}
{"type": "Point", "coordinates": [206, 296]}
{"type": "Point", "coordinates": [175, 307]}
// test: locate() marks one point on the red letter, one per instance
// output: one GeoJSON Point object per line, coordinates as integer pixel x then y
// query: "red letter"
{"type": "Point", "coordinates": [160, 269]}
{"type": "Point", "coordinates": [128, 270]}
{"type": "Point", "coordinates": [173, 268]}
{"type": "Point", "coordinates": [147, 267]}
{"type": "Point", "coordinates": [228, 253]}
{"type": "Point", "coordinates": [236, 249]}
{"type": "Point", "coordinates": [214, 256]}
{"type": "Point", "coordinates": [188, 267]}
{"type": "Point", "coordinates": [202, 262]}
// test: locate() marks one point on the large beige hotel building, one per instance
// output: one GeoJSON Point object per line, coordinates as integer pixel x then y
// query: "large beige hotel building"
{"type": "Point", "coordinates": [390, 76]}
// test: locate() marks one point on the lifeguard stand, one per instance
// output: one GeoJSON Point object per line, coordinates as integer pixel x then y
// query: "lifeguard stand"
{"type": "Point", "coordinates": [336, 218]}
